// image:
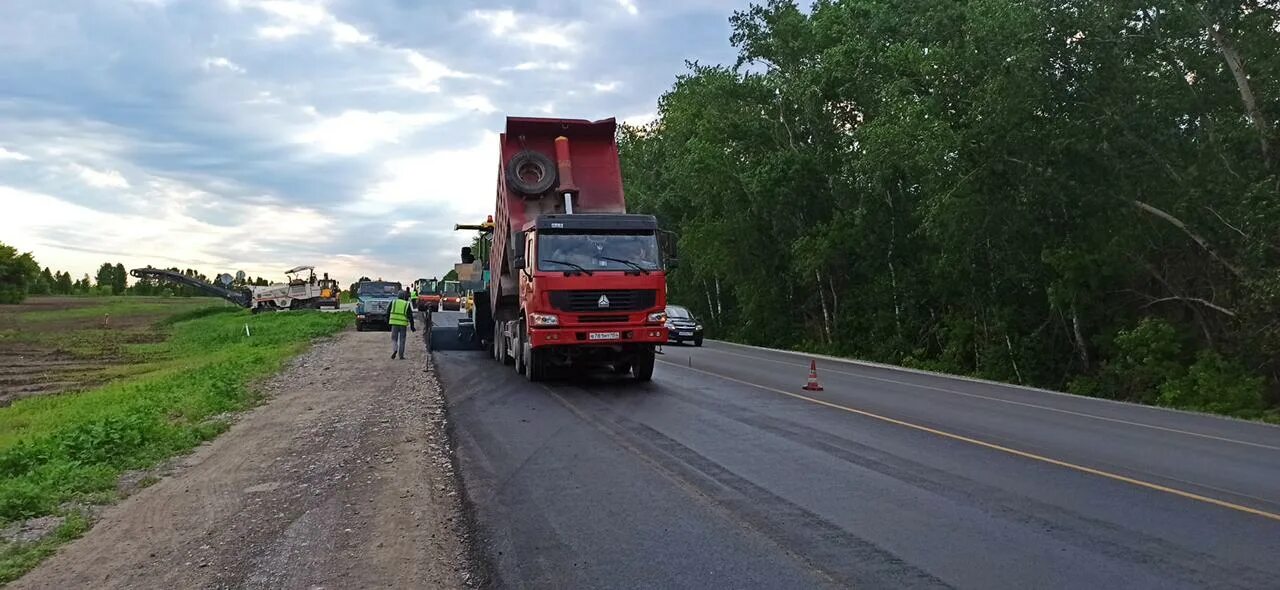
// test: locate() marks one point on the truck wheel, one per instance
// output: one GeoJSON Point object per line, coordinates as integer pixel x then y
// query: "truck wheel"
{"type": "Point", "coordinates": [500, 344]}
{"type": "Point", "coordinates": [522, 350]}
{"type": "Point", "coordinates": [535, 364]}
{"type": "Point", "coordinates": [359, 326]}
{"type": "Point", "coordinates": [643, 366]}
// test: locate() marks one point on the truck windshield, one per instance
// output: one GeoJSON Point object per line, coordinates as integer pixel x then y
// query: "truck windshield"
{"type": "Point", "coordinates": [450, 289]}
{"type": "Point", "coordinates": [598, 252]}
{"type": "Point", "coordinates": [378, 289]}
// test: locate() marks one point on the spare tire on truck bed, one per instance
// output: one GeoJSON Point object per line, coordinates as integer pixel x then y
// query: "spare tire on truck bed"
{"type": "Point", "coordinates": [531, 173]}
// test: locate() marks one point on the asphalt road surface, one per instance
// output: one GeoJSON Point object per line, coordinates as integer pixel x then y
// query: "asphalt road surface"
{"type": "Point", "coordinates": [723, 473]}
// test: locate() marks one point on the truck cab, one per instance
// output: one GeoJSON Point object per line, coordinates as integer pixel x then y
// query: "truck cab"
{"type": "Point", "coordinates": [593, 291]}
{"type": "Point", "coordinates": [373, 303]}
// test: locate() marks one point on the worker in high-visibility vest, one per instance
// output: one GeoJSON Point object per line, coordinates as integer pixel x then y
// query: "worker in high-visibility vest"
{"type": "Point", "coordinates": [400, 316]}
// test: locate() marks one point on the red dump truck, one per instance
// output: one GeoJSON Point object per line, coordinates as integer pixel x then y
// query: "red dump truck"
{"type": "Point", "coordinates": [574, 280]}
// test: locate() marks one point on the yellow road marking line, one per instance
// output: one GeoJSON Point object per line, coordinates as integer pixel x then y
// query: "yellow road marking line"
{"type": "Point", "coordinates": [1001, 448]}
{"type": "Point", "coordinates": [1016, 403]}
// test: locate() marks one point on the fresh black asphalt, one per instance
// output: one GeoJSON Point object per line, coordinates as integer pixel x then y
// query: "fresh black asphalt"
{"type": "Point", "coordinates": [712, 477]}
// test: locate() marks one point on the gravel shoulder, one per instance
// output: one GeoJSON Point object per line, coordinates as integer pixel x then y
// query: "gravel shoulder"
{"type": "Point", "coordinates": [343, 478]}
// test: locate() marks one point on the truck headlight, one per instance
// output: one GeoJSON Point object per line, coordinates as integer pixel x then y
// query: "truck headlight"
{"type": "Point", "coordinates": [657, 317]}
{"type": "Point", "coordinates": [543, 320]}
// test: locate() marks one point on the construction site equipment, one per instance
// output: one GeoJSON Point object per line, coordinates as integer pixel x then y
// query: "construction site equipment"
{"type": "Point", "coordinates": [450, 295]}
{"type": "Point", "coordinates": [330, 292]}
{"type": "Point", "coordinates": [240, 297]}
{"type": "Point", "coordinates": [428, 294]}
{"type": "Point", "coordinates": [573, 279]}
{"type": "Point", "coordinates": [298, 293]}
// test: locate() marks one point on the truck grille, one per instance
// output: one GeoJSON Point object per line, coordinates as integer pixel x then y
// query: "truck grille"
{"type": "Point", "coordinates": [618, 300]}
{"type": "Point", "coordinates": [601, 319]}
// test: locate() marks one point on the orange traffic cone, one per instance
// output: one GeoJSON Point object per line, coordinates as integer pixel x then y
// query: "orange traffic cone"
{"type": "Point", "coordinates": [813, 384]}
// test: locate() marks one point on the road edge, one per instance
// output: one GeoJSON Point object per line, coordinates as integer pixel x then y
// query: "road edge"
{"type": "Point", "coordinates": [477, 562]}
{"type": "Point", "coordinates": [926, 372]}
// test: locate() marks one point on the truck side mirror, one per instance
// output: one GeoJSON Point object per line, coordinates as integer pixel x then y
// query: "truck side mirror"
{"type": "Point", "coordinates": [467, 256]}
{"type": "Point", "coordinates": [667, 242]}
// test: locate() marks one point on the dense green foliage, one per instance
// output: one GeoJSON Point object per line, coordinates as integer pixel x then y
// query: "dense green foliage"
{"type": "Point", "coordinates": [74, 446]}
{"type": "Point", "coordinates": [17, 273]}
{"type": "Point", "coordinates": [1078, 195]}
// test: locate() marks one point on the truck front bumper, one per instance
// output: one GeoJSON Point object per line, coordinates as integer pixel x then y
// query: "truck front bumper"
{"type": "Point", "coordinates": [597, 335]}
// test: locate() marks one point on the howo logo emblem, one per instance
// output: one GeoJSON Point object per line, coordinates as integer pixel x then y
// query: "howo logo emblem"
{"type": "Point", "coordinates": [603, 302]}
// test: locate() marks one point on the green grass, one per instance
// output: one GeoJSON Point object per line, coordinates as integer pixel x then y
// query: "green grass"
{"type": "Point", "coordinates": [55, 449]}
{"type": "Point", "coordinates": [19, 558]}
{"type": "Point", "coordinates": [118, 307]}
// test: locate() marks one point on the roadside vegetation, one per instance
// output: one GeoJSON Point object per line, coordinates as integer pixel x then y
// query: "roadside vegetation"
{"type": "Point", "coordinates": [59, 453]}
{"type": "Point", "coordinates": [1080, 196]}
{"type": "Point", "coordinates": [58, 344]}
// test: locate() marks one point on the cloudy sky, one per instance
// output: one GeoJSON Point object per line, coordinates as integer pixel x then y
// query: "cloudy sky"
{"type": "Point", "coordinates": [257, 135]}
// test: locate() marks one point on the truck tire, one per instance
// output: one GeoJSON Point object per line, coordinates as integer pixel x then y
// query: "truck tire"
{"type": "Point", "coordinates": [535, 368]}
{"type": "Point", "coordinates": [500, 344]}
{"type": "Point", "coordinates": [522, 350]}
{"type": "Point", "coordinates": [531, 173]}
{"type": "Point", "coordinates": [642, 367]}
{"type": "Point", "coordinates": [359, 326]}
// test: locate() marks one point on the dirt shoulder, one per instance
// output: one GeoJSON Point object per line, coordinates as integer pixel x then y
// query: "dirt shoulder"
{"type": "Point", "coordinates": [343, 479]}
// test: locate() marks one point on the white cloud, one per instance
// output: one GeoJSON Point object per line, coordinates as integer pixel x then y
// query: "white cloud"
{"type": "Point", "coordinates": [461, 178]}
{"type": "Point", "coordinates": [10, 155]}
{"type": "Point", "coordinates": [298, 13]}
{"type": "Point", "coordinates": [345, 33]}
{"type": "Point", "coordinates": [475, 102]}
{"type": "Point", "coordinates": [542, 65]}
{"type": "Point", "coordinates": [75, 238]}
{"type": "Point", "coordinates": [100, 178]}
{"type": "Point", "coordinates": [427, 73]}
{"type": "Point", "coordinates": [223, 63]}
{"type": "Point", "coordinates": [499, 21]}
{"type": "Point", "coordinates": [276, 33]}
{"type": "Point", "coordinates": [355, 131]}
{"type": "Point", "coordinates": [293, 18]}
{"type": "Point", "coordinates": [531, 30]}
{"type": "Point", "coordinates": [606, 86]}
{"type": "Point", "coordinates": [629, 6]}
{"type": "Point", "coordinates": [640, 119]}
{"type": "Point", "coordinates": [398, 227]}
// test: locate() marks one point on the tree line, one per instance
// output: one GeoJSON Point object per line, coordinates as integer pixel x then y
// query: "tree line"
{"type": "Point", "coordinates": [21, 276]}
{"type": "Point", "coordinates": [1081, 195]}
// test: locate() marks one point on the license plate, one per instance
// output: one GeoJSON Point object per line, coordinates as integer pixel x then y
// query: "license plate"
{"type": "Point", "coordinates": [686, 333]}
{"type": "Point", "coordinates": [603, 336]}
